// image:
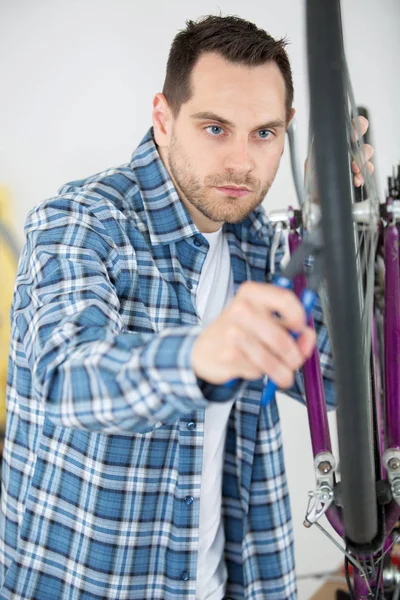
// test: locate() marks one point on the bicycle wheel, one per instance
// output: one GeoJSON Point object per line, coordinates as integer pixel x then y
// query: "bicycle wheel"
{"type": "Point", "coordinates": [332, 131]}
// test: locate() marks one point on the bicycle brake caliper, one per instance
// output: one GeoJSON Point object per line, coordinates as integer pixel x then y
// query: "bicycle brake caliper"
{"type": "Point", "coordinates": [321, 499]}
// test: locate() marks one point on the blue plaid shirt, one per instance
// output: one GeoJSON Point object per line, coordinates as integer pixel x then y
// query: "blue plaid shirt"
{"type": "Point", "coordinates": [104, 440]}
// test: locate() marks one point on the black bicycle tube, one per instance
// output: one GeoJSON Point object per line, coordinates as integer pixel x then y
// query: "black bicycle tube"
{"type": "Point", "coordinates": [329, 123]}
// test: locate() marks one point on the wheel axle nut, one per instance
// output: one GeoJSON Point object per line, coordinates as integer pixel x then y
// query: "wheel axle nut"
{"type": "Point", "coordinates": [325, 467]}
{"type": "Point", "coordinates": [394, 464]}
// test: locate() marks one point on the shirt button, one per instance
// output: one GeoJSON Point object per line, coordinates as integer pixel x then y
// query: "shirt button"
{"type": "Point", "coordinates": [184, 575]}
{"type": "Point", "coordinates": [191, 425]}
{"type": "Point", "coordinates": [197, 241]}
{"type": "Point", "coordinates": [189, 500]}
{"type": "Point", "coordinates": [189, 284]}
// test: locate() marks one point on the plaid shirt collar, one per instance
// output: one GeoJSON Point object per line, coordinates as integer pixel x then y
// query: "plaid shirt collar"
{"type": "Point", "coordinates": [154, 183]}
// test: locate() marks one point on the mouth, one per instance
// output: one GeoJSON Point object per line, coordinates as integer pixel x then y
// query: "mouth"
{"type": "Point", "coordinates": [231, 190]}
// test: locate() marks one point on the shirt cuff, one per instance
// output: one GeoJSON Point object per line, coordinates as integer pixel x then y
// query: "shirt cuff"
{"type": "Point", "coordinates": [167, 363]}
{"type": "Point", "coordinates": [221, 392]}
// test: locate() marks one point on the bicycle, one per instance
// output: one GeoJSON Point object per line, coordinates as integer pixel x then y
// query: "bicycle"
{"type": "Point", "coordinates": [364, 506]}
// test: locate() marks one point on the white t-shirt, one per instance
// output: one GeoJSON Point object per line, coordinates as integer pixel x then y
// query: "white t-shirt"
{"type": "Point", "coordinates": [214, 291]}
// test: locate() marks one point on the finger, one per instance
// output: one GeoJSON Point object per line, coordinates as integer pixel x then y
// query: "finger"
{"type": "Point", "coordinates": [364, 157]}
{"type": "Point", "coordinates": [368, 152]}
{"type": "Point", "coordinates": [362, 128]}
{"type": "Point", "coordinates": [248, 369]}
{"type": "Point", "coordinates": [359, 179]}
{"type": "Point", "coordinates": [277, 339]}
{"type": "Point", "coordinates": [268, 331]}
{"type": "Point", "coordinates": [364, 124]}
{"type": "Point", "coordinates": [268, 298]}
{"type": "Point", "coordinates": [306, 342]}
{"type": "Point", "coordinates": [267, 363]}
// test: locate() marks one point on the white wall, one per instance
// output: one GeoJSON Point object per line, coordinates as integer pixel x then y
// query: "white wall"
{"type": "Point", "coordinates": [77, 79]}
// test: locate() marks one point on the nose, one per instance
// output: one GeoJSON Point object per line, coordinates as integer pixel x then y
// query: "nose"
{"type": "Point", "coordinates": [238, 156]}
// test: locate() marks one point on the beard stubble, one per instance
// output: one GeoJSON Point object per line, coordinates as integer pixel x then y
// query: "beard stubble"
{"type": "Point", "coordinates": [201, 195]}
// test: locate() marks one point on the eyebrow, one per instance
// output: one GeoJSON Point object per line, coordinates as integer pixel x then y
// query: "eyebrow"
{"type": "Point", "coordinates": [210, 116]}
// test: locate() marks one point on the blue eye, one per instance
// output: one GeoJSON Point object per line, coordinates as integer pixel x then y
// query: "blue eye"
{"type": "Point", "coordinates": [215, 130]}
{"type": "Point", "coordinates": [264, 134]}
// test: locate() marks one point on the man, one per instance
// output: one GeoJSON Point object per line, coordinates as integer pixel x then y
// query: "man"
{"type": "Point", "coordinates": [131, 471]}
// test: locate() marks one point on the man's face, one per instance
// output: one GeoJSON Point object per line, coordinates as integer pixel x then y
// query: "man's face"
{"type": "Point", "coordinates": [224, 147]}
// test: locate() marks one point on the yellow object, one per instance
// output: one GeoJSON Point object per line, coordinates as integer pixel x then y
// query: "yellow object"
{"type": "Point", "coordinates": [8, 267]}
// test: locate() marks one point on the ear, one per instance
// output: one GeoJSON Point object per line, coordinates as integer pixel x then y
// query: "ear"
{"type": "Point", "coordinates": [162, 120]}
{"type": "Point", "coordinates": [291, 115]}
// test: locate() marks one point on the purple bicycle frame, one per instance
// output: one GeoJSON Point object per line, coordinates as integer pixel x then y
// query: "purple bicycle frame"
{"type": "Point", "coordinates": [314, 391]}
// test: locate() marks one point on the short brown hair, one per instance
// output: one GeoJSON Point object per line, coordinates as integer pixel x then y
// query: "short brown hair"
{"type": "Point", "coordinates": [233, 38]}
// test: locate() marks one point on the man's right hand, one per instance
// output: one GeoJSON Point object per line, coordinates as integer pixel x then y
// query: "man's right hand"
{"type": "Point", "coordinates": [249, 341]}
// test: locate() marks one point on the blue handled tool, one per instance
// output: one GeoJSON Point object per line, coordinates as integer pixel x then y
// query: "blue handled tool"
{"type": "Point", "coordinates": [307, 299]}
